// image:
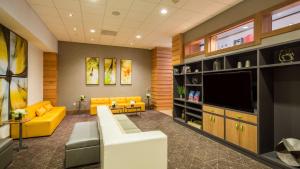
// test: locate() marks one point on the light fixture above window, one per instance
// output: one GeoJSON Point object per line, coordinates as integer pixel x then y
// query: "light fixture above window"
{"type": "Point", "coordinates": [163, 11]}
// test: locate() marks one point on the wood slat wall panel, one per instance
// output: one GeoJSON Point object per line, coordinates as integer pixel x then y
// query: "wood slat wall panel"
{"type": "Point", "coordinates": [50, 77]}
{"type": "Point", "coordinates": [177, 49]}
{"type": "Point", "coordinates": [162, 78]}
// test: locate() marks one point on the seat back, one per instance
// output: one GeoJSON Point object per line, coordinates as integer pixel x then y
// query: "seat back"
{"type": "Point", "coordinates": [103, 100]}
{"type": "Point", "coordinates": [134, 98]}
{"type": "Point", "coordinates": [118, 100]}
{"type": "Point", "coordinates": [32, 109]}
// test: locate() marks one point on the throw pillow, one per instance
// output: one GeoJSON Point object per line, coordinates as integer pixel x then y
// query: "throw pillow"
{"type": "Point", "coordinates": [48, 106]}
{"type": "Point", "coordinates": [41, 111]}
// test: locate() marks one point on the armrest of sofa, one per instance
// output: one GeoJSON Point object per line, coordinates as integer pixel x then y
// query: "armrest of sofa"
{"type": "Point", "coordinates": [147, 150]}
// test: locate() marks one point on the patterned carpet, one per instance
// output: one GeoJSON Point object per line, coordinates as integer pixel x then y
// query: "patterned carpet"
{"type": "Point", "coordinates": [186, 148]}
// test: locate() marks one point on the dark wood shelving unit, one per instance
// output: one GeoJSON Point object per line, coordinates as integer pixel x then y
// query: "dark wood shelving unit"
{"type": "Point", "coordinates": [276, 88]}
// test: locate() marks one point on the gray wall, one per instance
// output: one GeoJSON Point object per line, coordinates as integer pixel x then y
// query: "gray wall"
{"type": "Point", "coordinates": [242, 10]}
{"type": "Point", "coordinates": [71, 72]}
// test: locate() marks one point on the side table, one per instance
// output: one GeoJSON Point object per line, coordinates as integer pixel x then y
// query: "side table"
{"type": "Point", "coordinates": [20, 123]}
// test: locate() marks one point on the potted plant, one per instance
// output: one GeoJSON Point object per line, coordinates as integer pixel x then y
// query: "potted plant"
{"type": "Point", "coordinates": [82, 97]}
{"type": "Point", "coordinates": [181, 91]}
{"type": "Point", "coordinates": [18, 114]}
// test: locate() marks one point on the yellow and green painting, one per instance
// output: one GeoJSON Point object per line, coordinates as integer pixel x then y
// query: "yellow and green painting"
{"type": "Point", "coordinates": [18, 54]}
{"type": "Point", "coordinates": [18, 93]}
{"type": "Point", "coordinates": [3, 52]}
{"type": "Point", "coordinates": [110, 71]}
{"type": "Point", "coordinates": [126, 71]}
{"type": "Point", "coordinates": [4, 88]}
{"type": "Point", "coordinates": [92, 70]}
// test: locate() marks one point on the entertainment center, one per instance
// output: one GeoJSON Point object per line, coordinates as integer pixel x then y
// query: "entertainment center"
{"type": "Point", "coordinates": [256, 101]}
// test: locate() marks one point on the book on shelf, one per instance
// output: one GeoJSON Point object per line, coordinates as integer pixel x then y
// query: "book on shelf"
{"type": "Point", "coordinates": [191, 95]}
{"type": "Point", "coordinates": [196, 96]}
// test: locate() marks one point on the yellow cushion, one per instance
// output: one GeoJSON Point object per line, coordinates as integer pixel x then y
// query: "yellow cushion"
{"type": "Point", "coordinates": [41, 111]}
{"type": "Point", "coordinates": [48, 106]}
{"type": "Point", "coordinates": [100, 100]}
{"type": "Point", "coordinates": [118, 100]}
{"type": "Point", "coordinates": [134, 98]}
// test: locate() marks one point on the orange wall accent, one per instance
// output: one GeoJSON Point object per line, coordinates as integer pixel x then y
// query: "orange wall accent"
{"type": "Point", "coordinates": [50, 77]}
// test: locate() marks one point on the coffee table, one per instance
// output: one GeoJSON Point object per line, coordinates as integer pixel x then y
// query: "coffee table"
{"type": "Point", "coordinates": [20, 123]}
{"type": "Point", "coordinates": [119, 109]}
{"type": "Point", "coordinates": [135, 109]}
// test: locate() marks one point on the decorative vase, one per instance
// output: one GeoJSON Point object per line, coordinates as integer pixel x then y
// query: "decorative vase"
{"type": "Point", "coordinates": [180, 96]}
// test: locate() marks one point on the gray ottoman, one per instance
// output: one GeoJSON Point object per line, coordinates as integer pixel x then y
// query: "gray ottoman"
{"type": "Point", "coordinates": [83, 146]}
{"type": "Point", "coordinates": [6, 152]}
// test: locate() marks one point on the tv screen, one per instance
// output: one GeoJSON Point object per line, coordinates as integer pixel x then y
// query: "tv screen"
{"type": "Point", "coordinates": [230, 90]}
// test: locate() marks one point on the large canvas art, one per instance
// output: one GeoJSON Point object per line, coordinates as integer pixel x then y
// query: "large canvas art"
{"type": "Point", "coordinates": [92, 70]}
{"type": "Point", "coordinates": [3, 50]}
{"type": "Point", "coordinates": [110, 71]}
{"type": "Point", "coordinates": [13, 72]}
{"type": "Point", "coordinates": [126, 71]}
{"type": "Point", "coordinates": [4, 88]}
{"type": "Point", "coordinates": [18, 55]}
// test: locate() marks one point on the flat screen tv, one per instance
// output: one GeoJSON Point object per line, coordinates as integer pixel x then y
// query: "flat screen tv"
{"type": "Point", "coordinates": [231, 90]}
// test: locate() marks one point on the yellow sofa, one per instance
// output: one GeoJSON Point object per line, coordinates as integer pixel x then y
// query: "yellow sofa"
{"type": "Point", "coordinates": [121, 102]}
{"type": "Point", "coordinates": [39, 126]}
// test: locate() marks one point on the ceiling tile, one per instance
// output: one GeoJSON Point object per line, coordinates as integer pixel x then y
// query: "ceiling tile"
{"type": "Point", "coordinates": [41, 2]}
{"type": "Point", "coordinates": [70, 5]}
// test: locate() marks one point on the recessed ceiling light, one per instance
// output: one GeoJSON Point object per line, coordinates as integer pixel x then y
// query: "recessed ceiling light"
{"type": "Point", "coordinates": [245, 27]}
{"type": "Point", "coordinates": [115, 13]}
{"type": "Point", "coordinates": [138, 36]}
{"type": "Point", "coordinates": [291, 24]}
{"type": "Point", "coordinates": [74, 29]}
{"type": "Point", "coordinates": [92, 30]}
{"type": "Point", "coordinates": [164, 11]}
{"type": "Point", "coordinates": [70, 14]}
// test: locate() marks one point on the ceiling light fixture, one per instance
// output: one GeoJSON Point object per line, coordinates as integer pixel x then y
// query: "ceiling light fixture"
{"type": "Point", "coordinates": [70, 14]}
{"type": "Point", "coordinates": [74, 29]}
{"type": "Point", "coordinates": [138, 36]}
{"type": "Point", "coordinates": [164, 11]}
{"type": "Point", "coordinates": [291, 24]}
{"type": "Point", "coordinates": [92, 30]}
{"type": "Point", "coordinates": [245, 27]}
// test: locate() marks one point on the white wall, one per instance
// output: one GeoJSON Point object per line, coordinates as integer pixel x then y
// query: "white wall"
{"type": "Point", "coordinates": [35, 74]}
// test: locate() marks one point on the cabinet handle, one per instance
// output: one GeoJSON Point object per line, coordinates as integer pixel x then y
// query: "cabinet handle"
{"type": "Point", "coordinates": [242, 128]}
{"type": "Point", "coordinates": [236, 126]}
{"type": "Point", "coordinates": [214, 119]}
{"type": "Point", "coordinates": [210, 117]}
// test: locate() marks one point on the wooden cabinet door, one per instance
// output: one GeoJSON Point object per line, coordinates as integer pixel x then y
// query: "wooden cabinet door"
{"type": "Point", "coordinates": [218, 126]}
{"type": "Point", "coordinates": [232, 131]}
{"type": "Point", "coordinates": [248, 137]}
{"type": "Point", "coordinates": [207, 123]}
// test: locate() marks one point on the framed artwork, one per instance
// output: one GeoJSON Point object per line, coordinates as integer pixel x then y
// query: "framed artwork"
{"type": "Point", "coordinates": [4, 44]}
{"type": "Point", "coordinates": [18, 55]}
{"type": "Point", "coordinates": [4, 88]}
{"type": "Point", "coordinates": [126, 71]}
{"type": "Point", "coordinates": [18, 93]}
{"type": "Point", "coordinates": [92, 70]}
{"type": "Point", "coordinates": [13, 72]}
{"type": "Point", "coordinates": [110, 71]}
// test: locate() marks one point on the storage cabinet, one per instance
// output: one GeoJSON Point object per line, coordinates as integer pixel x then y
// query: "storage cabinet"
{"type": "Point", "coordinates": [242, 134]}
{"type": "Point", "coordinates": [213, 124]}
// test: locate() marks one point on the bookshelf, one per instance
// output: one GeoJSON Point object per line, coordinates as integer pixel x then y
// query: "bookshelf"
{"type": "Point", "coordinates": [275, 78]}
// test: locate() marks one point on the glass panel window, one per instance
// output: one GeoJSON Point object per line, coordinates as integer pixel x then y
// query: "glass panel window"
{"type": "Point", "coordinates": [195, 47]}
{"type": "Point", "coordinates": [237, 35]}
{"type": "Point", "coordinates": [286, 16]}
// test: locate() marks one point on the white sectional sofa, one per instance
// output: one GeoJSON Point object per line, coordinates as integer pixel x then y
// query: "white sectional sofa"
{"type": "Point", "coordinates": [124, 146]}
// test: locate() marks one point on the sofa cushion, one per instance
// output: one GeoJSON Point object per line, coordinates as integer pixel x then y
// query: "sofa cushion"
{"type": "Point", "coordinates": [4, 143]}
{"type": "Point", "coordinates": [84, 134]}
{"type": "Point", "coordinates": [127, 125]}
{"type": "Point", "coordinates": [134, 98]}
{"type": "Point", "coordinates": [40, 111]}
{"type": "Point", "coordinates": [118, 100]}
{"type": "Point", "coordinates": [48, 107]}
{"type": "Point", "coordinates": [99, 100]}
